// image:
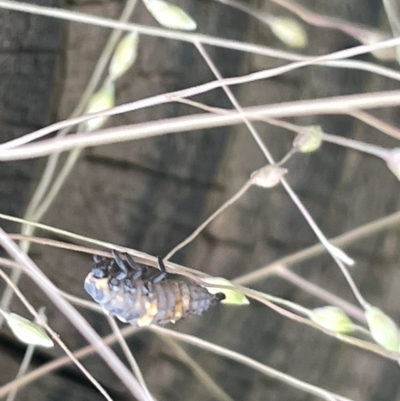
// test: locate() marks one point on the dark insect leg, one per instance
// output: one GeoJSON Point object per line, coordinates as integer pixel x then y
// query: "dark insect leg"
{"type": "Point", "coordinates": [100, 266]}
{"type": "Point", "coordinates": [137, 269]}
{"type": "Point", "coordinates": [158, 275]}
{"type": "Point", "coordinates": [97, 258]}
{"type": "Point", "coordinates": [121, 264]}
{"type": "Point", "coordinates": [161, 264]}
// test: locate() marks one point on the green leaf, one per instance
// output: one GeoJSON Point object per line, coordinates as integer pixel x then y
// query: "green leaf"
{"type": "Point", "coordinates": [124, 56]}
{"type": "Point", "coordinates": [232, 297]}
{"type": "Point", "coordinates": [289, 31]}
{"type": "Point", "coordinates": [308, 140]}
{"type": "Point", "coordinates": [169, 15]}
{"type": "Point", "coordinates": [332, 318]}
{"type": "Point", "coordinates": [28, 332]}
{"type": "Point", "coordinates": [383, 329]}
{"type": "Point", "coordinates": [102, 100]}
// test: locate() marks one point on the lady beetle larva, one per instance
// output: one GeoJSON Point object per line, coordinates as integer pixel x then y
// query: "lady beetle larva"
{"type": "Point", "coordinates": [143, 295]}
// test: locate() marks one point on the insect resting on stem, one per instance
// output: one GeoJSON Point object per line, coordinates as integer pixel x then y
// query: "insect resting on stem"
{"type": "Point", "coordinates": [142, 295]}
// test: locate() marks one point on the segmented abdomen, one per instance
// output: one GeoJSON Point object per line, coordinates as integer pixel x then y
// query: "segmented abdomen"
{"type": "Point", "coordinates": [177, 299]}
{"type": "Point", "coordinates": [142, 303]}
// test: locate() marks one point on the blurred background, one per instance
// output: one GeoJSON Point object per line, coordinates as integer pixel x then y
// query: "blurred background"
{"type": "Point", "coordinates": [150, 194]}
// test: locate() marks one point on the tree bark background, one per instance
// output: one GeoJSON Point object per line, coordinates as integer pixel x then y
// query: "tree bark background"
{"type": "Point", "coordinates": [151, 194]}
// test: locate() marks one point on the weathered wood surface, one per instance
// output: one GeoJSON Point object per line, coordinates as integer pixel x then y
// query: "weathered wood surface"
{"type": "Point", "coordinates": [151, 194]}
{"type": "Point", "coordinates": [29, 47]}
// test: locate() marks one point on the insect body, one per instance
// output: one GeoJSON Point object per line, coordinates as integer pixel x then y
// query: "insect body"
{"type": "Point", "coordinates": [142, 295]}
